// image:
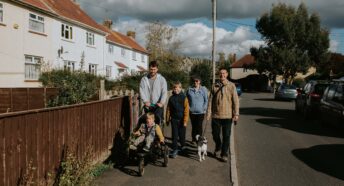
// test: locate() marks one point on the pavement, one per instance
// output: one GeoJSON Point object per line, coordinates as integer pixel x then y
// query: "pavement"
{"type": "Point", "coordinates": [183, 170]}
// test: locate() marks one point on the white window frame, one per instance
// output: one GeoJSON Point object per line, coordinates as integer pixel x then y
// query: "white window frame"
{"type": "Point", "coordinates": [69, 65]}
{"type": "Point", "coordinates": [134, 55]}
{"type": "Point", "coordinates": [108, 71]}
{"type": "Point", "coordinates": [66, 31]}
{"type": "Point", "coordinates": [110, 49]}
{"type": "Point", "coordinates": [123, 52]}
{"type": "Point", "coordinates": [90, 38]}
{"type": "Point", "coordinates": [34, 21]}
{"type": "Point", "coordinates": [32, 67]}
{"type": "Point", "coordinates": [142, 58]}
{"type": "Point", "coordinates": [1, 13]}
{"type": "Point", "coordinates": [92, 68]}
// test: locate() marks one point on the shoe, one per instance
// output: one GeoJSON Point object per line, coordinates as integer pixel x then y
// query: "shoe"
{"type": "Point", "coordinates": [183, 148]}
{"type": "Point", "coordinates": [174, 154]}
{"type": "Point", "coordinates": [224, 158]}
{"type": "Point", "coordinates": [216, 153]}
{"type": "Point", "coordinates": [146, 149]}
{"type": "Point", "coordinates": [132, 147]}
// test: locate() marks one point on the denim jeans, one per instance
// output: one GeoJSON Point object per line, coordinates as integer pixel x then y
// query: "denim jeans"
{"type": "Point", "coordinates": [225, 125]}
{"type": "Point", "coordinates": [178, 132]}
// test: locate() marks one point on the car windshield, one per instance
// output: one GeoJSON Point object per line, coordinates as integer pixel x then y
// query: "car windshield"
{"type": "Point", "coordinates": [320, 88]}
{"type": "Point", "coordinates": [288, 87]}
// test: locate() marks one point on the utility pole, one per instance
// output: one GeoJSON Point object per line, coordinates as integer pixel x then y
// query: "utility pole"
{"type": "Point", "coordinates": [214, 34]}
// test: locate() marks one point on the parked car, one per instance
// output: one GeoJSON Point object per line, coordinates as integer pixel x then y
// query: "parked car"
{"type": "Point", "coordinates": [308, 99]}
{"type": "Point", "coordinates": [285, 91]}
{"type": "Point", "coordinates": [332, 104]}
{"type": "Point", "coordinates": [238, 88]}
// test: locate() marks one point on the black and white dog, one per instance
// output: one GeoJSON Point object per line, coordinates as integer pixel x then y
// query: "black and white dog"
{"type": "Point", "coordinates": [201, 146]}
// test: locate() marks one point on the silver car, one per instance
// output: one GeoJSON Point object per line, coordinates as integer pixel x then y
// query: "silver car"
{"type": "Point", "coordinates": [285, 91]}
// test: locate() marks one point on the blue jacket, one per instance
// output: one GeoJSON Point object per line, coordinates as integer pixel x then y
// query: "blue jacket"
{"type": "Point", "coordinates": [198, 99]}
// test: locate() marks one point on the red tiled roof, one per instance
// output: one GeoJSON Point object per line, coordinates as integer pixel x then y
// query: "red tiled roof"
{"type": "Point", "coordinates": [131, 42]}
{"type": "Point", "coordinates": [244, 61]}
{"type": "Point", "coordinates": [121, 65]}
{"type": "Point", "coordinates": [142, 69]}
{"type": "Point", "coordinates": [37, 3]}
{"type": "Point", "coordinates": [66, 9]}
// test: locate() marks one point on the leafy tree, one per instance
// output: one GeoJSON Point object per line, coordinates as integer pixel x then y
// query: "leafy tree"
{"type": "Point", "coordinates": [204, 71]}
{"type": "Point", "coordinates": [163, 45]}
{"type": "Point", "coordinates": [294, 42]}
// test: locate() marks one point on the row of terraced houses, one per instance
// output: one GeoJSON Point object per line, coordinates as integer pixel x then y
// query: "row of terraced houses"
{"type": "Point", "coordinates": [39, 35]}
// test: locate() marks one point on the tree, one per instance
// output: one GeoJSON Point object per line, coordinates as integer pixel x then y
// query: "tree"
{"type": "Point", "coordinates": [222, 58]}
{"type": "Point", "coordinates": [294, 42]}
{"type": "Point", "coordinates": [204, 71]}
{"type": "Point", "coordinates": [163, 45]}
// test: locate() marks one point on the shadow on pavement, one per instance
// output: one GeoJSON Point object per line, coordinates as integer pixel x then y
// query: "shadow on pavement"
{"type": "Point", "coordinates": [324, 158]}
{"type": "Point", "coordinates": [288, 119]}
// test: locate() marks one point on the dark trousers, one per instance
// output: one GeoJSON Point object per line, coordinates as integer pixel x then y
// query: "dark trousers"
{"type": "Point", "coordinates": [225, 125]}
{"type": "Point", "coordinates": [178, 132]}
{"type": "Point", "coordinates": [159, 111]}
{"type": "Point", "coordinates": [197, 125]}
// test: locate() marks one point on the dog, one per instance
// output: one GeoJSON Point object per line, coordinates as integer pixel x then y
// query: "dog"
{"type": "Point", "coordinates": [202, 146]}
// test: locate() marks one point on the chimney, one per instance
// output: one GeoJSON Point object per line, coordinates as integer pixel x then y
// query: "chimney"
{"type": "Point", "coordinates": [131, 34]}
{"type": "Point", "coordinates": [108, 23]}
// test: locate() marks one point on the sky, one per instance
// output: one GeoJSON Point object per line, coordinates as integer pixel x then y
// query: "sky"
{"type": "Point", "coordinates": [236, 20]}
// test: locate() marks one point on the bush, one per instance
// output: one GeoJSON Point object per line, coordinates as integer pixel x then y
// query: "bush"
{"type": "Point", "coordinates": [74, 87]}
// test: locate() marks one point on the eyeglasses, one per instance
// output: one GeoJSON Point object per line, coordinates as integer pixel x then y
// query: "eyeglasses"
{"type": "Point", "coordinates": [196, 81]}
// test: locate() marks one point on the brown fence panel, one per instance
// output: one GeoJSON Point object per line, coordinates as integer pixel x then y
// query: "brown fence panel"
{"type": "Point", "coordinates": [40, 136]}
{"type": "Point", "coordinates": [5, 100]}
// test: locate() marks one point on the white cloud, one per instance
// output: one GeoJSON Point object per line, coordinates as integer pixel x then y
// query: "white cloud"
{"type": "Point", "coordinates": [334, 45]}
{"type": "Point", "coordinates": [330, 11]}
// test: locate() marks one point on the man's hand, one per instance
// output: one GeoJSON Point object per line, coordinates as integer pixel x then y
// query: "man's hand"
{"type": "Point", "coordinates": [236, 118]}
{"type": "Point", "coordinates": [159, 105]}
{"type": "Point", "coordinates": [208, 116]}
{"type": "Point", "coordinates": [147, 104]}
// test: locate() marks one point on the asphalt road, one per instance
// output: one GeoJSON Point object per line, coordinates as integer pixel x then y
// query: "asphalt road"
{"type": "Point", "coordinates": [183, 170]}
{"type": "Point", "coordinates": [275, 146]}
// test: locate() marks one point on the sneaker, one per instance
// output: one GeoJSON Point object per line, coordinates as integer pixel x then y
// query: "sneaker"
{"type": "Point", "coordinates": [224, 158]}
{"type": "Point", "coordinates": [183, 148]}
{"type": "Point", "coordinates": [174, 154]}
{"type": "Point", "coordinates": [132, 147]}
{"type": "Point", "coordinates": [146, 149]}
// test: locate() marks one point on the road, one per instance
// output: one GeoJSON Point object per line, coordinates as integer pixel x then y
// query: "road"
{"type": "Point", "coordinates": [275, 146]}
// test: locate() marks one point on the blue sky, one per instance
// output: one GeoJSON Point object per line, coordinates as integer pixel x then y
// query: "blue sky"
{"type": "Point", "coordinates": [236, 31]}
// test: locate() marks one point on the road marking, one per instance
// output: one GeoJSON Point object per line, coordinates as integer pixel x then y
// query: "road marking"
{"type": "Point", "coordinates": [234, 173]}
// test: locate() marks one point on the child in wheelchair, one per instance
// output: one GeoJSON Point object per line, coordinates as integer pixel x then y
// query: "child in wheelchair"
{"type": "Point", "coordinates": [146, 133]}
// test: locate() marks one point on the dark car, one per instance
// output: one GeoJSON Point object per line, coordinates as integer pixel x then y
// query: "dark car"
{"type": "Point", "coordinates": [308, 99]}
{"type": "Point", "coordinates": [332, 104]}
{"type": "Point", "coordinates": [238, 88]}
{"type": "Point", "coordinates": [285, 91]}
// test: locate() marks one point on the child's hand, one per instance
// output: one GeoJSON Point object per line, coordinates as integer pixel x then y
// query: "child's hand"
{"type": "Point", "coordinates": [185, 124]}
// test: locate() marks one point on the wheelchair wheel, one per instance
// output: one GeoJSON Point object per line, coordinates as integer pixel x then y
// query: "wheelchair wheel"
{"type": "Point", "coordinates": [165, 163]}
{"type": "Point", "coordinates": [141, 166]}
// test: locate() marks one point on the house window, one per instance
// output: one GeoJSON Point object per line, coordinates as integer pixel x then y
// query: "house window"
{"type": "Point", "coordinates": [66, 31]}
{"type": "Point", "coordinates": [108, 71]}
{"type": "Point", "coordinates": [142, 58]}
{"type": "Point", "coordinates": [110, 48]}
{"type": "Point", "coordinates": [1, 13]}
{"type": "Point", "coordinates": [134, 55]}
{"type": "Point", "coordinates": [92, 69]}
{"type": "Point", "coordinates": [122, 52]}
{"type": "Point", "coordinates": [32, 67]}
{"type": "Point", "coordinates": [36, 23]}
{"type": "Point", "coordinates": [69, 65]}
{"type": "Point", "coordinates": [90, 38]}
{"type": "Point", "coordinates": [121, 71]}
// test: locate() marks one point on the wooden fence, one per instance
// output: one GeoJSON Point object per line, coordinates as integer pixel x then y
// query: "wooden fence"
{"type": "Point", "coordinates": [19, 99]}
{"type": "Point", "coordinates": [40, 135]}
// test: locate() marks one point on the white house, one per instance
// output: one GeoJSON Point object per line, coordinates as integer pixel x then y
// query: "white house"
{"type": "Point", "coordinates": [239, 68]}
{"type": "Point", "coordinates": [37, 35]}
{"type": "Point", "coordinates": [25, 42]}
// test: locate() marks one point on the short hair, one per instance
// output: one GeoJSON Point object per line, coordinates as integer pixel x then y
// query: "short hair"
{"type": "Point", "coordinates": [223, 68]}
{"type": "Point", "coordinates": [150, 115]}
{"type": "Point", "coordinates": [153, 64]}
{"type": "Point", "coordinates": [177, 83]}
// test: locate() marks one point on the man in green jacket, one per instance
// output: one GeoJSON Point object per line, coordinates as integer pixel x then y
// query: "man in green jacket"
{"type": "Point", "coordinates": [223, 108]}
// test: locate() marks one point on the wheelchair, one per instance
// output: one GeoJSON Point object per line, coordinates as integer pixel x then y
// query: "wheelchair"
{"type": "Point", "coordinates": [158, 152]}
